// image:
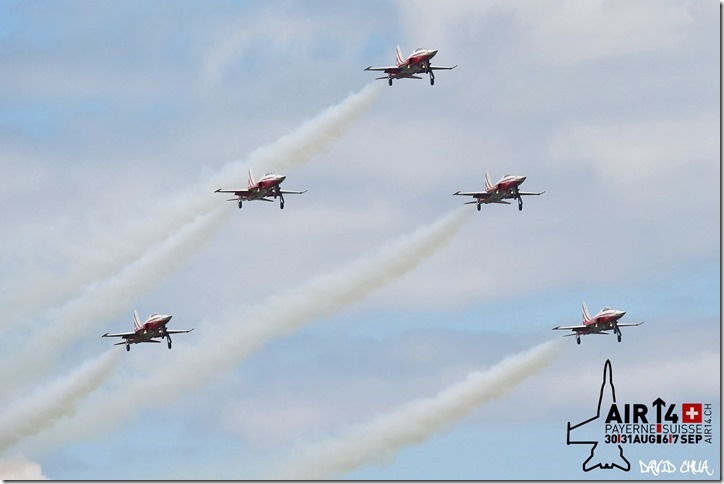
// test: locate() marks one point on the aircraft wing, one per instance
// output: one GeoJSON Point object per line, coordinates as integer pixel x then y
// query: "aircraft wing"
{"type": "Point", "coordinates": [579, 327]}
{"type": "Point", "coordinates": [386, 70]}
{"type": "Point", "coordinates": [620, 325]}
{"type": "Point", "coordinates": [531, 193]}
{"type": "Point", "coordinates": [235, 192]}
{"type": "Point", "coordinates": [119, 335]}
{"type": "Point", "coordinates": [177, 331]}
{"type": "Point", "coordinates": [437, 68]}
{"type": "Point", "coordinates": [471, 194]}
{"type": "Point", "coordinates": [284, 192]}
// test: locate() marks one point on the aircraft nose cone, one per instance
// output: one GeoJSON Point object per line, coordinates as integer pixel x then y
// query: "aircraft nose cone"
{"type": "Point", "coordinates": [521, 179]}
{"type": "Point", "coordinates": [432, 53]}
{"type": "Point", "coordinates": [281, 178]}
{"type": "Point", "coordinates": [620, 313]}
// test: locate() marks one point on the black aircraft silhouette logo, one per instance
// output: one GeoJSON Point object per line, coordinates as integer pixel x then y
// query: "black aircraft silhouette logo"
{"type": "Point", "coordinates": [605, 456]}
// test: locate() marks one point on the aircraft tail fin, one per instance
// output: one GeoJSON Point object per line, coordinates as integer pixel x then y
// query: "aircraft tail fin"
{"type": "Point", "coordinates": [136, 320]}
{"type": "Point", "coordinates": [399, 59]}
{"type": "Point", "coordinates": [586, 316]}
{"type": "Point", "coordinates": [488, 185]}
{"type": "Point", "coordinates": [251, 181]}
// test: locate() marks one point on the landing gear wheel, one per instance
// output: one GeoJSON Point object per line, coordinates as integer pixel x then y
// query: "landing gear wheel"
{"type": "Point", "coordinates": [619, 337]}
{"type": "Point", "coordinates": [169, 343]}
{"type": "Point", "coordinates": [578, 339]}
{"type": "Point", "coordinates": [281, 204]}
{"type": "Point", "coordinates": [520, 204]}
{"type": "Point", "coordinates": [389, 81]}
{"type": "Point", "coordinates": [239, 203]}
{"type": "Point", "coordinates": [478, 207]}
{"type": "Point", "coordinates": [432, 81]}
{"type": "Point", "coordinates": [128, 347]}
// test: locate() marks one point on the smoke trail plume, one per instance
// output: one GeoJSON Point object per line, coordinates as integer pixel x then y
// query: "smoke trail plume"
{"type": "Point", "coordinates": [313, 137]}
{"type": "Point", "coordinates": [182, 227]}
{"type": "Point", "coordinates": [109, 298]}
{"type": "Point", "coordinates": [19, 468]}
{"type": "Point", "coordinates": [416, 421]}
{"type": "Point", "coordinates": [48, 404]}
{"type": "Point", "coordinates": [233, 340]}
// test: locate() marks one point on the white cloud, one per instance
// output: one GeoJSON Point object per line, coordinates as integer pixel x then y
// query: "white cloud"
{"type": "Point", "coordinates": [563, 32]}
{"type": "Point", "coordinates": [629, 153]}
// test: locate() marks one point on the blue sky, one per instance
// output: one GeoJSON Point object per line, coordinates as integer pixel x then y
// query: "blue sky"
{"type": "Point", "coordinates": [112, 112]}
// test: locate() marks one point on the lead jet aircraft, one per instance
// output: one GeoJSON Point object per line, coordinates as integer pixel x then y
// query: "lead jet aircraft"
{"type": "Point", "coordinates": [507, 187]}
{"type": "Point", "coordinates": [267, 186]}
{"type": "Point", "coordinates": [154, 327]}
{"type": "Point", "coordinates": [416, 63]}
{"type": "Point", "coordinates": [605, 320]}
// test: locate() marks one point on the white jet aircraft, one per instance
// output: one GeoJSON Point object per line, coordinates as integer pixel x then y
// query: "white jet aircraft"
{"type": "Point", "coordinates": [408, 68]}
{"type": "Point", "coordinates": [605, 320]}
{"type": "Point", "coordinates": [267, 186]}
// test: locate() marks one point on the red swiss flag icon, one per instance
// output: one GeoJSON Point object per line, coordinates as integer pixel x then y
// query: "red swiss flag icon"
{"type": "Point", "coordinates": [691, 413]}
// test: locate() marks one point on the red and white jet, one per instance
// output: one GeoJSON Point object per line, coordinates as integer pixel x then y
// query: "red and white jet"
{"type": "Point", "coordinates": [154, 327]}
{"type": "Point", "coordinates": [606, 319]}
{"type": "Point", "coordinates": [507, 187]}
{"type": "Point", "coordinates": [267, 186]}
{"type": "Point", "coordinates": [416, 63]}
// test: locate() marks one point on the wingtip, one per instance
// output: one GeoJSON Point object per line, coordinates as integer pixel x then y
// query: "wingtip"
{"type": "Point", "coordinates": [217, 190]}
{"type": "Point", "coordinates": [368, 68]}
{"type": "Point", "coordinates": [104, 335]}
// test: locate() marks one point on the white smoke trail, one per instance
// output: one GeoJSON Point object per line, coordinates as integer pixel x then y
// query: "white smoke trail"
{"type": "Point", "coordinates": [311, 138]}
{"type": "Point", "coordinates": [50, 403]}
{"type": "Point", "coordinates": [18, 468]}
{"type": "Point", "coordinates": [230, 342]}
{"type": "Point", "coordinates": [185, 224]}
{"type": "Point", "coordinates": [108, 298]}
{"type": "Point", "coordinates": [416, 421]}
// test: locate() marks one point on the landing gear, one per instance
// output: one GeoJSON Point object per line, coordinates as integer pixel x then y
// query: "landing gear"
{"type": "Point", "coordinates": [578, 338]}
{"type": "Point", "coordinates": [281, 202]}
{"type": "Point", "coordinates": [429, 71]}
{"type": "Point", "coordinates": [619, 337]}
{"type": "Point", "coordinates": [478, 207]}
{"type": "Point", "coordinates": [617, 330]}
{"type": "Point", "coordinates": [389, 81]}
{"type": "Point", "coordinates": [168, 340]}
{"type": "Point", "coordinates": [516, 195]}
{"type": "Point", "coordinates": [240, 203]}
{"type": "Point", "coordinates": [128, 347]}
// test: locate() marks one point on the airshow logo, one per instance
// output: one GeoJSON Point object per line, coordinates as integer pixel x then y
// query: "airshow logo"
{"type": "Point", "coordinates": [655, 423]}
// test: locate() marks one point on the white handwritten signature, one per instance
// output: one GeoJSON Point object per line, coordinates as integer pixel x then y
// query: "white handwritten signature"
{"type": "Point", "coordinates": [693, 467]}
